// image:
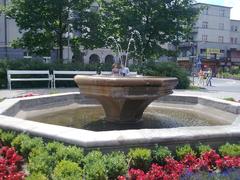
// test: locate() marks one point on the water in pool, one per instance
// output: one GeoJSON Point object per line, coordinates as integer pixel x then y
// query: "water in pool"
{"type": "Point", "coordinates": [92, 118]}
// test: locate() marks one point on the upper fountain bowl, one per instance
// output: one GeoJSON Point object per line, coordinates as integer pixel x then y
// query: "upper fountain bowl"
{"type": "Point", "coordinates": [125, 98]}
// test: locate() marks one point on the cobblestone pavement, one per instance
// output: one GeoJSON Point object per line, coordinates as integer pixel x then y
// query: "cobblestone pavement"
{"type": "Point", "coordinates": [222, 88]}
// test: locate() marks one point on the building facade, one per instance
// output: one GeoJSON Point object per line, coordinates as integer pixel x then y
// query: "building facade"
{"type": "Point", "coordinates": [215, 39]}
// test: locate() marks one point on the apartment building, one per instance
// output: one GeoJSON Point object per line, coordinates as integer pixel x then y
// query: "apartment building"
{"type": "Point", "coordinates": [215, 39]}
{"type": "Point", "coordinates": [8, 32]}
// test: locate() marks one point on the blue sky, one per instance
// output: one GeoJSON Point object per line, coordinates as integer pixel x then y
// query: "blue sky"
{"type": "Point", "coordinates": [235, 4]}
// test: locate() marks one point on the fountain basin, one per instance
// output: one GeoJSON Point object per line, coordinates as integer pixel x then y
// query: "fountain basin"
{"type": "Point", "coordinates": [123, 139]}
{"type": "Point", "coordinates": [124, 99]}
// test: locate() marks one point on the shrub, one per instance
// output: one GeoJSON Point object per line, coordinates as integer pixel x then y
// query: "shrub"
{"type": "Point", "coordinates": [140, 158]}
{"type": "Point", "coordinates": [92, 157]}
{"type": "Point", "coordinates": [96, 170]}
{"type": "Point", "coordinates": [230, 99]}
{"type": "Point", "coordinates": [168, 69]}
{"type": "Point", "coordinates": [115, 164]}
{"type": "Point", "coordinates": [70, 153]}
{"type": "Point", "coordinates": [7, 137]}
{"type": "Point", "coordinates": [201, 148]}
{"type": "Point", "coordinates": [25, 144]}
{"type": "Point", "coordinates": [67, 170]}
{"type": "Point", "coordinates": [160, 153]}
{"type": "Point", "coordinates": [229, 150]}
{"type": "Point", "coordinates": [94, 167]}
{"type": "Point", "coordinates": [182, 151]}
{"type": "Point", "coordinates": [36, 176]}
{"type": "Point", "coordinates": [54, 147]}
{"type": "Point", "coordinates": [41, 161]}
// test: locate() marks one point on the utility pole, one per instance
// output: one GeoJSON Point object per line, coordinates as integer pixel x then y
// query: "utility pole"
{"type": "Point", "coordinates": [5, 31]}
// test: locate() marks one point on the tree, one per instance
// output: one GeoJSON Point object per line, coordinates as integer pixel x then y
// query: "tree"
{"type": "Point", "coordinates": [43, 23]}
{"type": "Point", "coordinates": [158, 21]}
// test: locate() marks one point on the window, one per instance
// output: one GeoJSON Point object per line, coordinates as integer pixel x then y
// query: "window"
{"type": "Point", "coordinates": [232, 28]}
{"type": "Point", "coordinates": [235, 28]}
{"type": "Point", "coordinates": [204, 37]}
{"type": "Point", "coordinates": [221, 26]}
{"type": "Point", "coordinates": [220, 39]}
{"type": "Point", "coordinates": [222, 12]}
{"type": "Point", "coordinates": [232, 40]}
{"type": "Point", "coordinates": [204, 25]}
{"type": "Point", "coordinates": [235, 41]}
{"type": "Point", "coordinates": [202, 51]}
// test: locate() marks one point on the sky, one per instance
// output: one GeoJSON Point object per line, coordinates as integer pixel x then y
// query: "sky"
{"type": "Point", "coordinates": [235, 4]}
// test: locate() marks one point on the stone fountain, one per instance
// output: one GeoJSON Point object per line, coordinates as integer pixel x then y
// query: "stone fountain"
{"type": "Point", "coordinates": [124, 99]}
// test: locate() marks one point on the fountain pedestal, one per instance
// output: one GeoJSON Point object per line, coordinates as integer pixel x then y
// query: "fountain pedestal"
{"type": "Point", "coordinates": [124, 99]}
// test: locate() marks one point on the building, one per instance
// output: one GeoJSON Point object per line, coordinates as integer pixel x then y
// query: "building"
{"type": "Point", "coordinates": [8, 33]}
{"type": "Point", "coordinates": [215, 40]}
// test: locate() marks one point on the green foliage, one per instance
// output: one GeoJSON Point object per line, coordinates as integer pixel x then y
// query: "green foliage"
{"type": "Point", "coordinates": [92, 157]}
{"type": "Point", "coordinates": [70, 153]}
{"type": "Point", "coordinates": [157, 21]}
{"type": "Point", "coordinates": [228, 75]}
{"type": "Point", "coordinates": [25, 144]}
{"type": "Point", "coordinates": [230, 99]}
{"type": "Point", "coordinates": [94, 167]}
{"type": "Point", "coordinates": [41, 161]}
{"type": "Point", "coordinates": [67, 170]}
{"type": "Point", "coordinates": [201, 148]}
{"type": "Point", "coordinates": [140, 158]}
{"type": "Point", "coordinates": [167, 69]}
{"type": "Point", "coordinates": [54, 147]}
{"type": "Point", "coordinates": [7, 137]}
{"type": "Point", "coordinates": [160, 153]}
{"type": "Point", "coordinates": [116, 164]}
{"type": "Point", "coordinates": [44, 23]}
{"type": "Point", "coordinates": [36, 176]}
{"type": "Point", "coordinates": [182, 151]}
{"type": "Point", "coordinates": [229, 150]}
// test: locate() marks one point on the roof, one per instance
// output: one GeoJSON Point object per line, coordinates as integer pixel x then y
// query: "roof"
{"type": "Point", "coordinates": [213, 5]}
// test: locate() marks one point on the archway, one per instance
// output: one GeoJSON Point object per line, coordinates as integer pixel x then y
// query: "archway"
{"type": "Point", "coordinates": [109, 59]}
{"type": "Point", "coordinates": [94, 59]}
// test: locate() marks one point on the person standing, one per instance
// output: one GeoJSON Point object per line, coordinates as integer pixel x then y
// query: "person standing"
{"type": "Point", "coordinates": [201, 77]}
{"type": "Point", "coordinates": [209, 77]}
{"type": "Point", "coordinates": [124, 70]}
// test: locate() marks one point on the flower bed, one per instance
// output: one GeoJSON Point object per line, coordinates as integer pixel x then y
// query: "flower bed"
{"type": "Point", "coordinates": [54, 160]}
{"type": "Point", "coordinates": [210, 162]}
{"type": "Point", "coordinates": [10, 164]}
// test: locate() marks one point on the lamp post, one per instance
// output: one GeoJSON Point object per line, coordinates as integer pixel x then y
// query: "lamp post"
{"type": "Point", "coordinates": [193, 61]}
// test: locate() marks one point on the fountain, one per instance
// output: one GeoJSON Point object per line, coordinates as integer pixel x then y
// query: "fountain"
{"type": "Point", "coordinates": [119, 50]}
{"type": "Point", "coordinates": [124, 98]}
{"type": "Point", "coordinates": [73, 118]}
